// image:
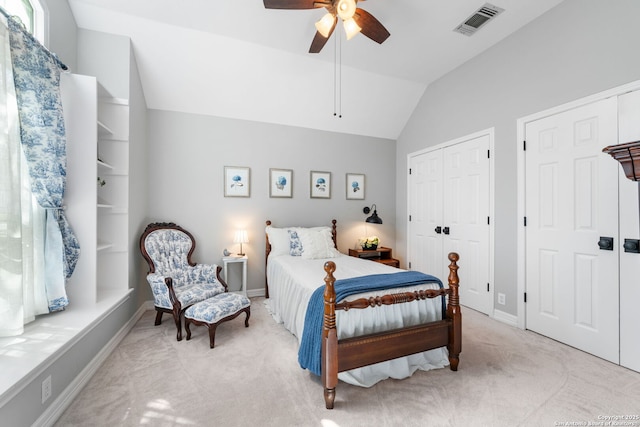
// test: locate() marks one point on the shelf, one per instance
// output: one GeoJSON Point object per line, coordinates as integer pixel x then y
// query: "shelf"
{"type": "Point", "coordinates": [104, 204]}
{"type": "Point", "coordinates": [103, 129]}
{"type": "Point", "coordinates": [104, 164]}
{"type": "Point", "coordinates": [102, 246]}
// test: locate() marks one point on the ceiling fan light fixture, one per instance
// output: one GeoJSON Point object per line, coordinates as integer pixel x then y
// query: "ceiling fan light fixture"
{"type": "Point", "coordinates": [346, 9]}
{"type": "Point", "coordinates": [325, 24]}
{"type": "Point", "coordinates": [351, 28]}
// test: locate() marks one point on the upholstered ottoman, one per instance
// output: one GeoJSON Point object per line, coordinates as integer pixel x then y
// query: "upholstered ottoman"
{"type": "Point", "coordinates": [213, 311]}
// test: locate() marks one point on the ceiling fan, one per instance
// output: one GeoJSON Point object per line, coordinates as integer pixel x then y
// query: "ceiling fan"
{"type": "Point", "coordinates": [355, 20]}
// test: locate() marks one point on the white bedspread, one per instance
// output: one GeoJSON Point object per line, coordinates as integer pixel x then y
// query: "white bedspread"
{"type": "Point", "coordinates": [292, 280]}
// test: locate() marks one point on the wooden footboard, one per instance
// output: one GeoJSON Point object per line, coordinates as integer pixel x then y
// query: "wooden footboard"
{"type": "Point", "coordinates": [343, 355]}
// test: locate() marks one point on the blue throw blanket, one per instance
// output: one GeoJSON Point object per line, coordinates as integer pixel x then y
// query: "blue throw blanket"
{"type": "Point", "coordinates": [309, 355]}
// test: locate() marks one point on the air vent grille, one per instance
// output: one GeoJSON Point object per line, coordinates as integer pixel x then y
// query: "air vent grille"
{"type": "Point", "coordinates": [478, 19]}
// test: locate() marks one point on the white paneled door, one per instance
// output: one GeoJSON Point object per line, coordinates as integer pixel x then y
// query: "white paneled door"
{"type": "Point", "coordinates": [449, 199]}
{"type": "Point", "coordinates": [426, 210]}
{"type": "Point", "coordinates": [572, 275]}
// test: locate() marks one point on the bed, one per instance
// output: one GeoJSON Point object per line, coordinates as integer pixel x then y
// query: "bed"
{"type": "Point", "coordinates": [370, 335]}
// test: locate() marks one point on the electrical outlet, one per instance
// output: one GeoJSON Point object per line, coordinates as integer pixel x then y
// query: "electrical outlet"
{"type": "Point", "coordinates": [46, 389]}
{"type": "Point", "coordinates": [502, 299]}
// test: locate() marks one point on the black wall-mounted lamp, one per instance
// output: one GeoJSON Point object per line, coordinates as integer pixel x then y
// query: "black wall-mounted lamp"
{"type": "Point", "coordinates": [373, 219]}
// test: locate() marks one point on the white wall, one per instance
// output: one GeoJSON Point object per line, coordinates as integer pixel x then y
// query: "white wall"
{"type": "Point", "coordinates": [579, 48]}
{"type": "Point", "coordinates": [62, 32]}
{"type": "Point", "coordinates": [187, 155]}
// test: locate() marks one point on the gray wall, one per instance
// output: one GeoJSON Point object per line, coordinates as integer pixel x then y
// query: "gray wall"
{"type": "Point", "coordinates": [579, 48]}
{"type": "Point", "coordinates": [187, 157]}
{"type": "Point", "coordinates": [138, 182]}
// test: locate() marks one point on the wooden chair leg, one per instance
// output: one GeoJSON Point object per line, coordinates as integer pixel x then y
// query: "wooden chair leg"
{"type": "Point", "coordinates": [187, 323]}
{"type": "Point", "coordinates": [158, 317]}
{"type": "Point", "coordinates": [246, 321]}
{"type": "Point", "coordinates": [212, 334]}
{"type": "Point", "coordinates": [178, 327]}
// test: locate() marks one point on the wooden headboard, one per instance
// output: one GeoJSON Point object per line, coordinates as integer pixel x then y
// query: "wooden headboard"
{"type": "Point", "coordinates": [267, 251]}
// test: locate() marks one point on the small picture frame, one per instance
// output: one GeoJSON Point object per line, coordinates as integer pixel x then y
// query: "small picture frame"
{"type": "Point", "coordinates": [237, 181]}
{"type": "Point", "coordinates": [355, 186]}
{"type": "Point", "coordinates": [320, 187]}
{"type": "Point", "coordinates": [280, 182]}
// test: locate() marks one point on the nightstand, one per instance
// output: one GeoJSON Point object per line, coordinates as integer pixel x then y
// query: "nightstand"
{"type": "Point", "coordinates": [234, 260]}
{"type": "Point", "coordinates": [382, 255]}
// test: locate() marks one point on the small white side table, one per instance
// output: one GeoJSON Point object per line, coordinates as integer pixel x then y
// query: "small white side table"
{"type": "Point", "coordinates": [235, 259]}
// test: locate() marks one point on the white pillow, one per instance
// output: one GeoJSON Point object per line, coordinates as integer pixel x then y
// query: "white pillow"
{"type": "Point", "coordinates": [317, 243]}
{"type": "Point", "coordinates": [279, 240]}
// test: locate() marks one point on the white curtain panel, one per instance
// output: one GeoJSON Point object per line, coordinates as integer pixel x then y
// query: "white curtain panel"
{"type": "Point", "coordinates": [22, 294]}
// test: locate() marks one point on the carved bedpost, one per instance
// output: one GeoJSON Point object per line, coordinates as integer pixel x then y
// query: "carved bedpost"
{"type": "Point", "coordinates": [453, 313]}
{"type": "Point", "coordinates": [334, 233]}
{"type": "Point", "coordinates": [266, 256]}
{"type": "Point", "coordinates": [329, 365]}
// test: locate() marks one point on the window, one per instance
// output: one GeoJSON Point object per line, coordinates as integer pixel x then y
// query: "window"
{"type": "Point", "coordinates": [23, 10]}
{"type": "Point", "coordinates": [31, 13]}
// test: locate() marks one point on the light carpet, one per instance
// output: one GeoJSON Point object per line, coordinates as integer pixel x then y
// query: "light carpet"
{"type": "Point", "coordinates": [506, 377]}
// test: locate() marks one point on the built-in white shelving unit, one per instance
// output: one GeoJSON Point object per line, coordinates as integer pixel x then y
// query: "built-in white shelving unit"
{"type": "Point", "coordinates": [97, 150]}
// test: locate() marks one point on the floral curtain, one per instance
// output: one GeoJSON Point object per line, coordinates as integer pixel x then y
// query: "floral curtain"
{"type": "Point", "coordinates": [36, 75]}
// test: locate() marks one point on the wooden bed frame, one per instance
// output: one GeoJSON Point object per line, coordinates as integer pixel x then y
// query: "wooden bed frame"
{"type": "Point", "coordinates": [350, 353]}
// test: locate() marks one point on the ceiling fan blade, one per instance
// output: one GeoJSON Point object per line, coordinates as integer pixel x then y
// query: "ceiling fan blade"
{"type": "Point", "coordinates": [290, 4]}
{"type": "Point", "coordinates": [371, 27]}
{"type": "Point", "coordinates": [319, 40]}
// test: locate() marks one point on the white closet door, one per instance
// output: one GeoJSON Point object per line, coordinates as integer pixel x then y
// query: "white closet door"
{"type": "Point", "coordinates": [629, 131]}
{"type": "Point", "coordinates": [449, 207]}
{"type": "Point", "coordinates": [425, 207]}
{"type": "Point", "coordinates": [466, 213]}
{"type": "Point", "coordinates": [572, 201]}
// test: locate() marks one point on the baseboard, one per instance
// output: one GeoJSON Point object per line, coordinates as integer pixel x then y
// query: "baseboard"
{"type": "Point", "coordinates": [251, 293]}
{"type": "Point", "coordinates": [507, 318]}
{"type": "Point", "coordinates": [55, 410]}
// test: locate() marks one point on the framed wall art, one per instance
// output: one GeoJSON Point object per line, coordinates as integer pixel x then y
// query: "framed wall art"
{"type": "Point", "coordinates": [237, 182]}
{"type": "Point", "coordinates": [280, 182]}
{"type": "Point", "coordinates": [320, 185]}
{"type": "Point", "coordinates": [355, 186]}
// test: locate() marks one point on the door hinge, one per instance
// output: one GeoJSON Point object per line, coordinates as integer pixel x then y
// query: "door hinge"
{"type": "Point", "coordinates": [409, 218]}
{"type": "Point", "coordinates": [525, 297]}
{"type": "Point", "coordinates": [487, 287]}
{"type": "Point", "coordinates": [524, 145]}
{"type": "Point", "coordinates": [409, 264]}
{"type": "Point", "coordinates": [525, 221]}
{"type": "Point", "coordinates": [488, 154]}
{"type": "Point", "coordinates": [409, 171]}
{"type": "Point", "coordinates": [488, 221]}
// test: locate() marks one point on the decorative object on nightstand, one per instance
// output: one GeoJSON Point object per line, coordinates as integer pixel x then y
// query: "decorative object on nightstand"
{"type": "Point", "coordinates": [241, 237]}
{"type": "Point", "coordinates": [369, 243]}
{"type": "Point", "coordinates": [225, 271]}
{"type": "Point", "coordinates": [374, 218]}
{"type": "Point", "coordinates": [382, 255]}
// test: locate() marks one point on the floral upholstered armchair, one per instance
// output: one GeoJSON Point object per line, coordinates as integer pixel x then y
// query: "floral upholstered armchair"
{"type": "Point", "coordinates": [176, 281]}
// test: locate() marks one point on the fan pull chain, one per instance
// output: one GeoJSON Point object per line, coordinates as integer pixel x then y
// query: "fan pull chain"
{"type": "Point", "coordinates": [337, 76]}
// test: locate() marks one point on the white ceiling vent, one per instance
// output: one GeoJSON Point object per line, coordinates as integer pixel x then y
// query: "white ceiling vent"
{"type": "Point", "coordinates": [478, 19]}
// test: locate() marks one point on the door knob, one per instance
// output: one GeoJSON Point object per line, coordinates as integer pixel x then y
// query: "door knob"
{"type": "Point", "coordinates": [606, 243]}
{"type": "Point", "coordinates": [632, 246]}
{"type": "Point", "coordinates": [438, 230]}
{"type": "Point", "coordinates": [445, 230]}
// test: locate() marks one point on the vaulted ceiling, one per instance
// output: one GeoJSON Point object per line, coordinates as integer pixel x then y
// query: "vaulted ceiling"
{"type": "Point", "coordinates": [237, 59]}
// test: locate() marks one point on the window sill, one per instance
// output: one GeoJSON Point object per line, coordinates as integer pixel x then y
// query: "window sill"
{"type": "Point", "coordinates": [26, 356]}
